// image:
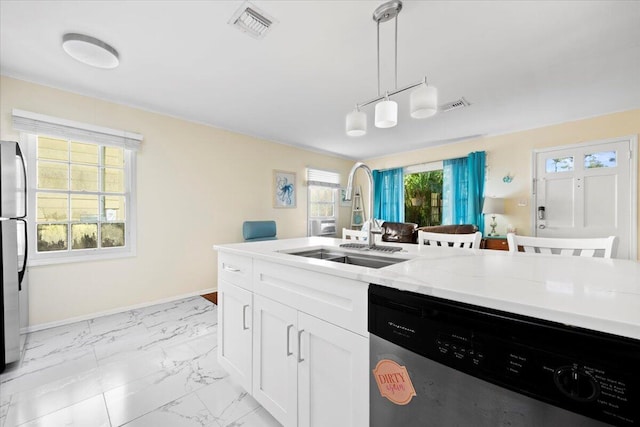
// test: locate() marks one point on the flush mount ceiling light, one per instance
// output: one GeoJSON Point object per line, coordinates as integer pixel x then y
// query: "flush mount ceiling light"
{"type": "Point", "coordinates": [423, 101]}
{"type": "Point", "coordinates": [89, 50]}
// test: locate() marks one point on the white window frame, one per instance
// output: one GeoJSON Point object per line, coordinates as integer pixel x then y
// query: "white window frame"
{"type": "Point", "coordinates": [322, 179]}
{"type": "Point", "coordinates": [33, 125]}
{"type": "Point", "coordinates": [334, 203]}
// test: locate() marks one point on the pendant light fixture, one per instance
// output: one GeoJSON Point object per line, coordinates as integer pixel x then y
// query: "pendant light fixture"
{"type": "Point", "coordinates": [386, 113]}
{"type": "Point", "coordinates": [356, 123]}
{"type": "Point", "coordinates": [424, 100]}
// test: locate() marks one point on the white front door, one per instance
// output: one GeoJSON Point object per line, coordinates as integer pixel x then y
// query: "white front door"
{"type": "Point", "coordinates": [587, 190]}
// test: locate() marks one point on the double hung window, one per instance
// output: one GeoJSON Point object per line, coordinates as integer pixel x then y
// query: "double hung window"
{"type": "Point", "coordinates": [81, 194]}
{"type": "Point", "coordinates": [322, 201]}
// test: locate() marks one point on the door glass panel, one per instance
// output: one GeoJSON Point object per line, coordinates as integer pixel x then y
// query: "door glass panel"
{"type": "Point", "coordinates": [113, 180]}
{"type": "Point", "coordinates": [114, 209]}
{"type": "Point", "coordinates": [84, 153]}
{"type": "Point", "coordinates": [84, 208]}
{"type": "Point", "coordinates": [112, 235]}
{"type": "Point", "coordinates": [53, 149]}
{"type": "Point", "coordinates": [52, 207]}
{"type": "Point", "coordinates": [562, 164]}
{"type": "Point", "coordinates": [53, 176]}
{"type": "Point", "coordinates": [602, 159]}
{"type": "Point", "coordinates": [84, 236]}
{"type": "Point", "coordinates": [84, 178]}
{"type": "Point", "coordinates": [52, 237]}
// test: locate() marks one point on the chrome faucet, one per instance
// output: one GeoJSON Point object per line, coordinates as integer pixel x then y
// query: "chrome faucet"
{"type": "Point", "coordinates": [373, 226]}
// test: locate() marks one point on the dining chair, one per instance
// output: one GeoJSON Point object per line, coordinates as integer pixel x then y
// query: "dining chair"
{"type": "Point", "coordinates": [468, 241]}
{"type": "Point", "coordinates": [253, 231]}
{"type": "Point", "coordinates": [589, 247]}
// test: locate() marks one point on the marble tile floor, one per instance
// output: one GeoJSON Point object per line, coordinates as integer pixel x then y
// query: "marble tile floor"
{"type": "Point", "coordinates": [155, 366]}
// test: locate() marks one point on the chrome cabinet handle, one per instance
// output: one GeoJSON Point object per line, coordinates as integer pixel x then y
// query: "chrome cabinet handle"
{"type": "Point", "coordinates": [244, 317]}
{"type": "Point", "coordinates": [300, 359]}
{"type": "Point", "coordinates": [231, 269]}
{"type": "Point", "coordinates": [289, 353]}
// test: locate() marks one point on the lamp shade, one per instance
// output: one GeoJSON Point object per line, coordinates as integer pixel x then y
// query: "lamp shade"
{"type": "Point", "coordinates": [386, 114]}
{"type": "Point", "coordinates": [493, 205]}
{"type": "Point", "coordinates": [424, 102]}
{"type": "Point", "coordinates": [356, 123]}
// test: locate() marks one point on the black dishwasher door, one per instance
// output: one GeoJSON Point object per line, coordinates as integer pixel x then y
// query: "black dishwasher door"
{"type": "Point", "coordinates": [472, 366]}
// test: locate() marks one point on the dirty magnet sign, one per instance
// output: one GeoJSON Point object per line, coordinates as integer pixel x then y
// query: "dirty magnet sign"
{"type": "Point", "coordinates": [394, 382]}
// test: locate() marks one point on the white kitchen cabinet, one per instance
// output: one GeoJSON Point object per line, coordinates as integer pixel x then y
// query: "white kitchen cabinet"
{"type": "Point", "coordinates": [333, 375]}
{"type": "Point", "coordinates": [275, 363]}
{"type": "Point", "coordinates": [235, 332]}
{"type": "Point", "coordinates": [296, 340]}
{"type": "Point", "coordinates": [308, 372]}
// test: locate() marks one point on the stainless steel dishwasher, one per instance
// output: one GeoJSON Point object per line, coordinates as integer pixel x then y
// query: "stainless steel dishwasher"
{"type": "Point", "coordinates": [436, 362]}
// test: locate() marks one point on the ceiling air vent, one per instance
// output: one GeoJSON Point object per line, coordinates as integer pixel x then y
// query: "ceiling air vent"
{"type": "Point", "coordinates": [252, 21]}
{"type": "Point", "coordinates": [454, 105]}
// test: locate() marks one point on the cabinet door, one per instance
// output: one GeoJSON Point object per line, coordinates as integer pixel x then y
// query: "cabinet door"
{"type": "Point", "coordinates": [333, 375]}
{"type": "Point", "coordinates": [274, 359]}
{"type": "Point", "coordinates": [234, 332]}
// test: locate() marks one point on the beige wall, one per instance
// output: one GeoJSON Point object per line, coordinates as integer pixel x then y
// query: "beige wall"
{"type": "Point", "coordinates": [196, 184]}
{"type": "Point", "coordinates": [512, 154]}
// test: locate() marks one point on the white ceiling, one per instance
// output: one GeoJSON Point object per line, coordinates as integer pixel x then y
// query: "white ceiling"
{"type": "Point", "coordinates": [522, 64]}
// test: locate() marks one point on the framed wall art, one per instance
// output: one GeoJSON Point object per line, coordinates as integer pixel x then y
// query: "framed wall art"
{"type": "Point", "coordinates": [343, 200]}
{"type": "Point", "coordinates": [285, 189]}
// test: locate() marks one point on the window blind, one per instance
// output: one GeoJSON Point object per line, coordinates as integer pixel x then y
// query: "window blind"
{"type": "Point", "coordinates": [323, 178]}
{"type": "Point", "coordinates": [41, 124]}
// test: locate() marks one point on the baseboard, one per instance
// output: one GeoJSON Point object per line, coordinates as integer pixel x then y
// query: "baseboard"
{"type": "Point", "coordinates": [34, 328]}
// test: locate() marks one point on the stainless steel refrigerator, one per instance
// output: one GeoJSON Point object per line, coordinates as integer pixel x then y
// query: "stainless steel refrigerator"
{"type": "Point", "coordinates": [13, 247]}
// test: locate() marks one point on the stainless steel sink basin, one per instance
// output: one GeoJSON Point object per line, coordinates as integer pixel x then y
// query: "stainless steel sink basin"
{"type": "Point", "coordinates": [364, 260]}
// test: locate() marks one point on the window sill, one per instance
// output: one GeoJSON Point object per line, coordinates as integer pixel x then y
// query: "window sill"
{"type": "Point", "coordinates": [79, 258]}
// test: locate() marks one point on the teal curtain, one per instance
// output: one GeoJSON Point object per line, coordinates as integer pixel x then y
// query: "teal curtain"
{"type": "Point", "coordinates": [388, 195]}
{"type": "Point", "coordinates": [475, 193]}
{"type": "Point", "coordinates": [463, 190]}
{"type": "Point", "coordinates": [454, 191]}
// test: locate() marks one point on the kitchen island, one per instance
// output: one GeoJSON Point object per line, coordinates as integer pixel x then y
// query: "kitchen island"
{"type": "Point", "coordinates": [293, 329]}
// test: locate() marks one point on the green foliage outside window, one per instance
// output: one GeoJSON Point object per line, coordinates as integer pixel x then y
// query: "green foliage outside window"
{"type": "Point", "coordinates": [423, 198]}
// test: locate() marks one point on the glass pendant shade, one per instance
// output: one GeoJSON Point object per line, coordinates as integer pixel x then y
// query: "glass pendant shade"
{"type": "Point", "coordinates": [424, 102]}
{"type": "Point", "coordinates": [386, 114]}
{"type": "Point", "coordinates": [356, 123]}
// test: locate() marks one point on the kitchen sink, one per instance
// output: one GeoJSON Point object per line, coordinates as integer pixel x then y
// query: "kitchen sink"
{"type": "Point", "coordinates": [361, 259]}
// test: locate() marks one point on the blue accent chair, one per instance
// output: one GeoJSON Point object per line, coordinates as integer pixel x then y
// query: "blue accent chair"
{"type": "Point", "coordinates": [253, 231]}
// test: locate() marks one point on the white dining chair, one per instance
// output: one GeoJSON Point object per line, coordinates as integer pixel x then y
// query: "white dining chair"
{"type": "Point", "coordinates": [589, 247]}
{"type": "Point", "coordinates": [468, 241]}
{"type": "Point", "coordinates": [354, 235]}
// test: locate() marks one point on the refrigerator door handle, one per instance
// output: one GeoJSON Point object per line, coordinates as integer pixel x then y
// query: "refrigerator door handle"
{"type": "Point", "coordinates": [24, 177]}
{"type": "Point", "coordinates": [26, 255]}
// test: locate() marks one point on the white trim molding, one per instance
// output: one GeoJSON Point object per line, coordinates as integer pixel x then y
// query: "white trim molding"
{"type": "Point", "coordinates": [42, 326]}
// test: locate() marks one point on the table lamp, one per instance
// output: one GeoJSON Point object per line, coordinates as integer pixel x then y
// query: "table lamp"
{"type": "Point", "coordinates": [493, 206]}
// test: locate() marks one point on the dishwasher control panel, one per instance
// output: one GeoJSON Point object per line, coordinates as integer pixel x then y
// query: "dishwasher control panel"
{"type": "Point", "coordinates": [587, 372]}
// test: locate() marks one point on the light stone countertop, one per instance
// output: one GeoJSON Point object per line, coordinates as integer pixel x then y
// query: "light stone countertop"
{"type": "Point", "coordinates": [593, 293]}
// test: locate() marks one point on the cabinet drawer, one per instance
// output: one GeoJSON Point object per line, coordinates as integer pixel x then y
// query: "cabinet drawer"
{"type": "Point", "coordinates": [340, 301]}
{"type": "Point", "coordinates": [496, 244]}
{"type": "Point", "coordinates": [235, 269]}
